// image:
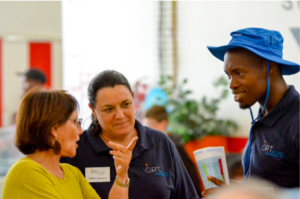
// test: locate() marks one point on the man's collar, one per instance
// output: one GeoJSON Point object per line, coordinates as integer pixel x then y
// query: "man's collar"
{"type": "Point", "coordinates": [281, 108]}
{"type": "Point", "coordinates": [144, 142]}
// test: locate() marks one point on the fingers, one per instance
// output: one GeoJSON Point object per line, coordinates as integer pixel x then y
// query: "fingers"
{"type": "Point", "coordinates": [120, 154]}
{"type": "Point", "coordinates": [121, 162]}
{"type": "Point", "coordinates": [115, 146]}
{"type": "Point", "coordinates": [119, 147]}
{"type": "Point", "coordinates": [208, 192]}
{"type": "Point", "coordinates": [216, 181]}
{"type": "Point", "coordinates": [131, 145]}
{"type": "Point", "coordinates": [204, 194]}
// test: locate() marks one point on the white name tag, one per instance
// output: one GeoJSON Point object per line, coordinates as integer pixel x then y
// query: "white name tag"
{"type": "Point", "coordinates": [97, 174]}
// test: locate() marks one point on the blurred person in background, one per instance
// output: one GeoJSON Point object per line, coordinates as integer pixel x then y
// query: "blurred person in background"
{"type": "Point", "coordinates": [48, 128]}
{"type": "Point", "coordinates": [32, 78]}
{"type": "Point", "coordinates": [157, 118]}
{"type": "Point", "coordinates": [156, 167]}
{"type": "Point", "coordinates": [253, 62]}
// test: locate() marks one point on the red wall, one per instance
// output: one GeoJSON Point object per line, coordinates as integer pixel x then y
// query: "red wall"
{"type": "Point", "coordinates": [0, 83]}
{"type": "Point", "coordinates": [40, 57]}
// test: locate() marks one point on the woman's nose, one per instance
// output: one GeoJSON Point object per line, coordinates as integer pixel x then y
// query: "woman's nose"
{"type": "Point", "coordinates": [119, 113]}
{"type": "Point", "coordinates": [80, 131]}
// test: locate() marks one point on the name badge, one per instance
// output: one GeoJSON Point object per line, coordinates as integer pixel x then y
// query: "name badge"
{"type": "Point", "coordinates": [97, 174]}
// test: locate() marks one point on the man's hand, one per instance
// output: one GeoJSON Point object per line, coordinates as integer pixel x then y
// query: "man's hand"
{"type": "Point", "coordinates": [217, 182]}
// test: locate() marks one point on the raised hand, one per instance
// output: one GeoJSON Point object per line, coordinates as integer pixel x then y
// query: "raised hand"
{"type": "Point", "coordinates": [122, 156]}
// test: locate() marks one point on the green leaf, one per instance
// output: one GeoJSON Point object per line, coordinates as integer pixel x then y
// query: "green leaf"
{"type": "Point", "coordinates": [224, 94]}
{"type": "Point", "coordinates": [192, 119]}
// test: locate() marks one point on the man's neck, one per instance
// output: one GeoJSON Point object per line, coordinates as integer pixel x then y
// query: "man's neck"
{"type": "Point", "coordinates": [277, 91]}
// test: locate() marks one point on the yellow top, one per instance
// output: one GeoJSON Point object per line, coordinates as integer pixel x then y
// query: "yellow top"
{"type": "Point", "coordinates": [28, 179]}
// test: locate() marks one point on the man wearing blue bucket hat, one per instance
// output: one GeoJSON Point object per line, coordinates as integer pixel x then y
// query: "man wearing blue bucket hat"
{"type": "Point", "coordinates": [253, 62]}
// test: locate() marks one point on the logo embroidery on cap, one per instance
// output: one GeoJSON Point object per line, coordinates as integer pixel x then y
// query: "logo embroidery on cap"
{"type": "Point", "coordinates": [156, 171]}
{"type": "Point", "coordinates": [268, 149]}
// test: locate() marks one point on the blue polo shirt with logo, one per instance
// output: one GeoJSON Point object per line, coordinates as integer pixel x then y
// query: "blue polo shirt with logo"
{"type": "Point", "coordinates": [275, 143]}
{"type": "Point", "coordinates": [156, 170]}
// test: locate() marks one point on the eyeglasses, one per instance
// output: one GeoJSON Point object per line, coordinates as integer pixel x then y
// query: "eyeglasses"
{"type": "Point", "coordinates": [78, 121]}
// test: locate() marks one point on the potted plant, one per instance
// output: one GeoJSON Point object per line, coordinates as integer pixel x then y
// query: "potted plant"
{"type": "Point", "coordinates": [196, 121]}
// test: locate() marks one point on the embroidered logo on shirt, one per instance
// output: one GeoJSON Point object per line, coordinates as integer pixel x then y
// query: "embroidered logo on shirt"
{"type": "Point", "coordinates": [156, 171]}
{"type": "Point", "coordinates": [268, 149]}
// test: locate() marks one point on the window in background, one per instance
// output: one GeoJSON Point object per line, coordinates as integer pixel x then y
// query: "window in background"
{"type": "Point", "coordinates": [108, 35]}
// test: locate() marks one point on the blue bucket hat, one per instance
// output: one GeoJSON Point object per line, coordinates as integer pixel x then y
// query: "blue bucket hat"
{"type": "Point", "coordinates": [264, 43]}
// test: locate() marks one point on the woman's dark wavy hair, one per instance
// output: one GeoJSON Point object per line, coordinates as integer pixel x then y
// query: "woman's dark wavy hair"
{"type": "Point", "coordinates": [39, 111]}
{"type": "Point", "coordinates": [105, 79]}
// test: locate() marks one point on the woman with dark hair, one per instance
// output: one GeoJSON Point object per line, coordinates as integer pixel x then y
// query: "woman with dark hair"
{"type": "Point", "coordinates": [48, 128]}
{"type": "Point", "coordinates": [156, 170]}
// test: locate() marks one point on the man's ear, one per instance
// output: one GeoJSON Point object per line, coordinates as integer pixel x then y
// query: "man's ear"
{"type": "Point", "coordinates": [133, 94]}
{"type": "Point", "coordinates": [274, 67]}
{"type": "Point", "coordinates": [164, 123]}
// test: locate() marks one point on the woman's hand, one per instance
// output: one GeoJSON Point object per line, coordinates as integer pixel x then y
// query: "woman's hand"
{"type": "Point", "coordinates": [122, 156]}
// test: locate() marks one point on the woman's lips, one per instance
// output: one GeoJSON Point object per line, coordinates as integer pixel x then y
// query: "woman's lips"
{"type": "Point", "coordinates": [120, 124]}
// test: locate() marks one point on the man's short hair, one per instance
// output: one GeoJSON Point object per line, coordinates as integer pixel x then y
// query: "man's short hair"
{"type": "Point", "coordinates": [35, 74]}
{"type": "Point", "coordinates": [158, 113]}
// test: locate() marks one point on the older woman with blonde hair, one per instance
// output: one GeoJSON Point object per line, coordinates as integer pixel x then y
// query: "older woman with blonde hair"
{"type": "Point", "coordinates": [48, 128]}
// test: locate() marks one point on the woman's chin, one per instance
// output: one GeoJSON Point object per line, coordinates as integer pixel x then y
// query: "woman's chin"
{"type": "Point", "coordinates": [70, 154]}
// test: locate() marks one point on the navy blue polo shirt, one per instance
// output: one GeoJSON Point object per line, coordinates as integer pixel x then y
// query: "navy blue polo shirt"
{"type": "Point", "coordinates": [275, 143]}
{"type": "Point", "coordinates": [156, 170]}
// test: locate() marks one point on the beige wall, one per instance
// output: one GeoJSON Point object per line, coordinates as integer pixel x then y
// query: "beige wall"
{"type": "Point", "coordinates": [209, 23]}
{"type": "Point", "coordinates": [31, 18]}
{"type": "Point", "coordinates": [21, 23]}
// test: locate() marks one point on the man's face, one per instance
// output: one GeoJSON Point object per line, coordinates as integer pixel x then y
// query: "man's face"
{"type": "Point", "coordinates": [153, 123]}
{"type": "Point", "coordinates": [29, 84]}
{"type": "Point", "coordinates": [248, 77]}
